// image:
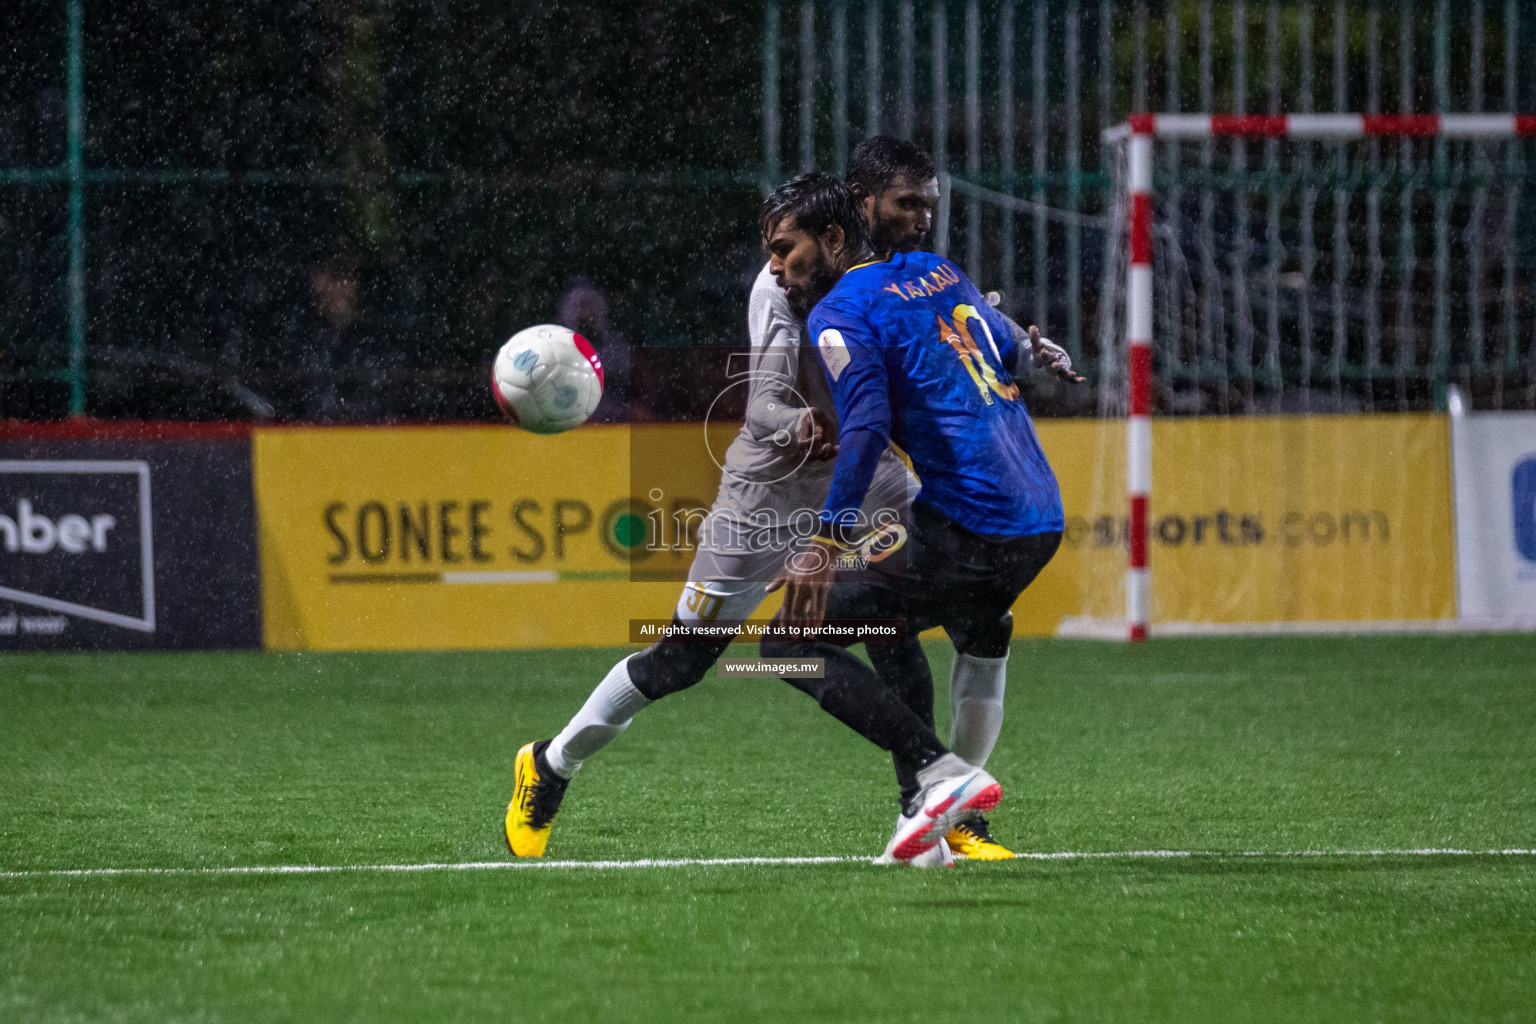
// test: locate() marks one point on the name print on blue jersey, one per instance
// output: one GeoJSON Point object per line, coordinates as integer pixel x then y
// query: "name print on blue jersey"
{"type": "Point", "coordinates": [955, 332]}
{"type": "Point", "coordinates": [942, 277]}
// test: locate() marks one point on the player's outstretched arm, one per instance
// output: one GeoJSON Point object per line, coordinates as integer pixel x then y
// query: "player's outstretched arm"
{"type": "Point", "coordinates": [1047, 355]}
{"type": "Point", "coordinates": [1034, 352]}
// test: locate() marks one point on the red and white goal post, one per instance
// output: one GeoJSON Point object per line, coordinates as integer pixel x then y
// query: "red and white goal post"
{"type": "Point", "coordinates": [1138, 134]}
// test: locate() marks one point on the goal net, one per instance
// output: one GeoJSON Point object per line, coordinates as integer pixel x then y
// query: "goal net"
{"type": "Point", "coordinates": [1284, 306]}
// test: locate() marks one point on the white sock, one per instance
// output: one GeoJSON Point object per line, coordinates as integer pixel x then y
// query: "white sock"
{"type": "Point", "coordinates": [605, 714]}
{"type": "Point", "coordinates": [945, 767]}
{"type": "Point", "coordinates": [976, 706]}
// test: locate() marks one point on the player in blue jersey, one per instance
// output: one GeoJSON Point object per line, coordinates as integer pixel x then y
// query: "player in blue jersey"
{"type": "Point", "coordinates": [895, 187]}
{"type": "Point", "coordinates": [915, 356]}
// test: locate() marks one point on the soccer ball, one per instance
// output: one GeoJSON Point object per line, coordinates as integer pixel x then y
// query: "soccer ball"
{"type": "Point", "coordinates": [547, 379]}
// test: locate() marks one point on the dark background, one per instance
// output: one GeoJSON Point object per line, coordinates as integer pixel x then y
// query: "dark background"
{"type": "Point", "coordinates": [336, 210]}
{"type": "Point", "coordinates": [344, 207]}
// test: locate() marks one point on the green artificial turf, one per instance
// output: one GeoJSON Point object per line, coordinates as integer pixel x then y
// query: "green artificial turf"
{"type": "Point", "coordinates": [1220, 746]}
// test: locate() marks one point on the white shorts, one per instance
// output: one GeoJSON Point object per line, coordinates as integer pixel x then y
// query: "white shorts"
{"type": "Point", "coordinates": [741, 550]}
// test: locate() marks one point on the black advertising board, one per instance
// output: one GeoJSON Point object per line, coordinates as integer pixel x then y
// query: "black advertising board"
{"type": "Point", "coordinates": [127, 537]}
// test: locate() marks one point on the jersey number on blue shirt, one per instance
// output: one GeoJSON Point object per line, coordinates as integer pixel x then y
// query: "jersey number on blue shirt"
{"type": "Point", "coordinates": [958, 336]}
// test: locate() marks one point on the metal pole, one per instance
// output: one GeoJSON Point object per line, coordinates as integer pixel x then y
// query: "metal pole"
{"type": "Point", "coordinates": [1139, 81]}
{"type": "Point", "coordinates": [1210, 283]}
{"type": "Point", "coordinates": [1175, 309]}
{"type": "Point", "coordinates": [1513, 186]}
{"type": "Point", "coordinates": [1340, 198]}
{"type": "Point", "coordinates": [1174, 51]}
{"type": "Point", "coordinates": [973, 136]}
{"type": "Point", "coordinates": [939, 32]}
{"type": "Point", "coordinates": [905, 70]}
{"type": "Point", "coordinates": [771, 170]}
{"type": "Point", "coordinates": [1377, 263]}
{"type": "Point", "coordinates": [1241, 312]}
{"type": "Point", "coordinates": [1440, 341]}
{"type": "Point", "coordinates": [1340, 55]}
{"type": "Point", "coordinates": [76, 167]}
{"type": "Point", "coordinates": [1272, 208]}
{"type": "Point", "coordinates": [1475, 326]}
{"type": "Point", "coordinates": [807, 85]}
{"type": "Point", "coordinates": [1106, 66]}
{"type": "Point", "coordinates": [1308, 203]}
{"type": "Point", "coordinates": [1305, 31]}
{"type": "Point", "coordinates": [840, 87]}
{"type": "Point", "coordinates": [872, 90]}
{"type": "Point", "coordinates": [1042, 257]}
{"type": "Point", "coordinates": [1139, 345]}
{"type": "Point", "coordinates": [1006, 146]}
{"type": "Point", "coordinates": [1074, 184]}
{"type": "Point", "coordinates": [1477, 56]}
{"type": "Point", "coordinates": [1106, 118]}
{"type": "Point", "coordinates": [1407, 263]}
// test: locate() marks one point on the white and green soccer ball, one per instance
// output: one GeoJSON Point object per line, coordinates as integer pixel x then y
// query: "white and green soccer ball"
{"type": "Point", "coordinates": [547, 379]}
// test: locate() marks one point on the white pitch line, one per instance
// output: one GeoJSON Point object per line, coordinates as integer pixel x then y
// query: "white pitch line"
{"type": "Point", "coordinates": [484, 865]}
{"type": "Point", "coordinates": [705, 862]}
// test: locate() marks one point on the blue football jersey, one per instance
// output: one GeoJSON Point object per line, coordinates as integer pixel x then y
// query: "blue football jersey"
{"type": "Point", "coordinates": [914, 355]}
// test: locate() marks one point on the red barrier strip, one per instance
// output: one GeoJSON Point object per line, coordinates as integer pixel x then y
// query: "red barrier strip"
{"type": "Point", "coordinates": [1141, 380]}
{"type": "Point", "coordinates": [1141, 228]}
{"type": "Point", "coordinates": [1138, 531]}
{"type": "Point", "coordinates": [1251, 124]}
{"type": "Point", "coordinates": [117, 430]}
{"type": "Point", "coordinates": [1420, 125]}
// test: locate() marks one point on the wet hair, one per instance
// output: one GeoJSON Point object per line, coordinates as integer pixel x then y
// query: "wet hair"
{"type": "Point", "coordinates": [817, 201]}
{"type": "Point", "coordinates": [880, 159]}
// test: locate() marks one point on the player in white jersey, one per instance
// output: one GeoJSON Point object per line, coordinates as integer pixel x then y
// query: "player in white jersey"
{"type": "Point", "coordinates": [778, 465]}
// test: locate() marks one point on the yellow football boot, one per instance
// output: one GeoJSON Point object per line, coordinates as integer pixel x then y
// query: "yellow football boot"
{"type": "Point", "coordinates": [535, 799]}
{"type": "Point", "coordinates": [972, 840]}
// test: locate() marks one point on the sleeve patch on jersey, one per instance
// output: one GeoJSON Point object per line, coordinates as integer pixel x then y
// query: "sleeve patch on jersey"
{"type": "Point", "coordinates": [834, 353]}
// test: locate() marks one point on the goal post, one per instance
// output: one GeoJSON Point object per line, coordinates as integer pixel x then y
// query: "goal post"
{"type": "Point", "coordinates": [1352, 308]}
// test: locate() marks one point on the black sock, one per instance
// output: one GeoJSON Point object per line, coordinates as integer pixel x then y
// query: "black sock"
{"type": "Point", "coordinates": [670, 665]}
{"type": "Point", "coordinates": [903, 667]}
{"type": "Point", "coordinates": [852, 693]}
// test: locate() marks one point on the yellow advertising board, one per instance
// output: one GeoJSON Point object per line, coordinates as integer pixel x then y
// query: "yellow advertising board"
{"type": "Point", "coordinates": [464, 537]}
{"type": "Point", "coordinates": [488, 537]}
{"type": "Point", "coordinates": [1257, 520]}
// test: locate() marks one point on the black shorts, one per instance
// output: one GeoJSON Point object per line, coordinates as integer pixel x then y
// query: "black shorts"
{"type": "Point", "coordinates": [963, 581]}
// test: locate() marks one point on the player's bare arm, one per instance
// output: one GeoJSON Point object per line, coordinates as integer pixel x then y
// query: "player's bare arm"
{"type": "Point", "coordinates": [816, 431]}
{"type": "Point", "coordinates": [1048, 355]}
{"type": "Point", "coordinates": [809, 577]}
